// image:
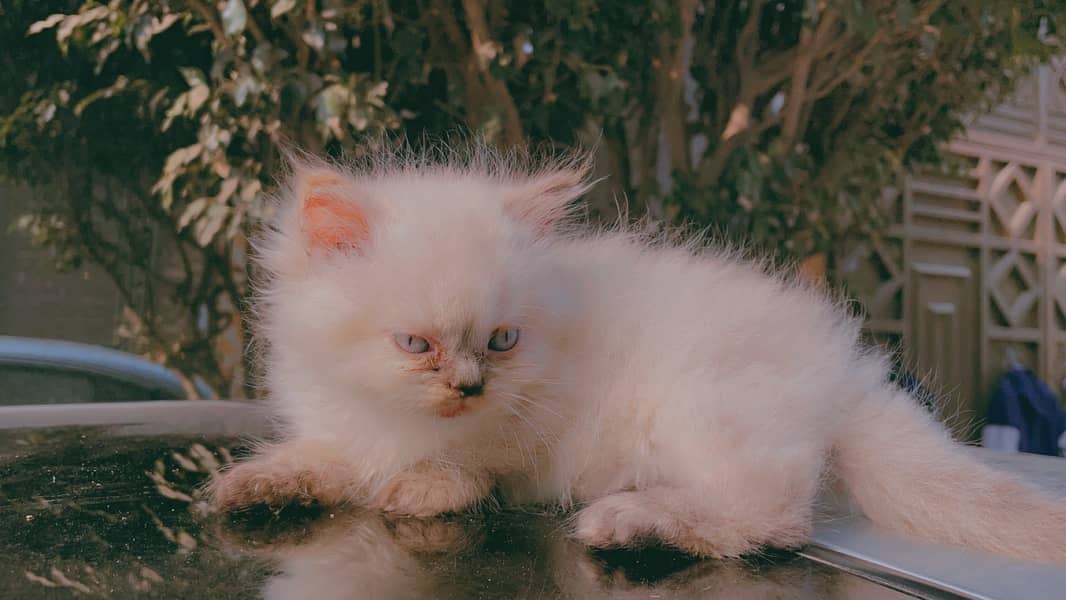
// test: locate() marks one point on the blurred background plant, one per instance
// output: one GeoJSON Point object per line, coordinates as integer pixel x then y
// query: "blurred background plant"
{"type": "Point", "coordinates": [150, 128]}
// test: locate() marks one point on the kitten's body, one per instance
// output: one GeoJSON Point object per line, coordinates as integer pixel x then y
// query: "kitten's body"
{"type": "Point", "coordinates": [674, 394]}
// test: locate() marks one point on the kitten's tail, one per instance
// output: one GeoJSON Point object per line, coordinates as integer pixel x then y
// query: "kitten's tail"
{"type": "Point", "coordinates": [906, 474]}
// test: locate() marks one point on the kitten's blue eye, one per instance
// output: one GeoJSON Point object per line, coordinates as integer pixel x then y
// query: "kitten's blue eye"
{"type": "Point", "coordinates": [503, 339]}
{"type": "Point", "coordinates": [411, 343]}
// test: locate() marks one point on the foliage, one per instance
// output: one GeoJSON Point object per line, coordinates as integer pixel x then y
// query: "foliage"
{"type": "Point", "coordinates": [154, 125]}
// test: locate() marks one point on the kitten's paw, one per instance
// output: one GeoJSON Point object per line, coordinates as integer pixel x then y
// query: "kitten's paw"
{"type": "Point", "coordinates": [251, 484]}
{"type": "Point", "coordinates": [428, 491]}
{"type": "Point", "coordinates": [630, 518]}
{"type": "Point", "coordinates": [428, 535]}
{"type": "Point", "coordinates": [615, 521]}
{"type": "Point", "coordinates": [275, 484]}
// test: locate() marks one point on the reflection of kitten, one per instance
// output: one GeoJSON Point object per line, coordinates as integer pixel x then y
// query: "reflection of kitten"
{"type": "Point", "coordinates": [358, 556]}
{"type": "Point", "coordinates": [368, 555]}
{"type": "Point", "coordinates": [433, 331]}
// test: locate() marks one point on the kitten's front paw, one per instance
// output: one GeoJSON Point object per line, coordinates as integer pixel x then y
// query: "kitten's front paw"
{"type": "Point", "coordinates": [284, 476]}
{"type": "Point", "coordinates": [614, 521]}
{"type": "Point", "coordinates": [254, 483]}
{"type": "Point", "coordinates": [428, 535]}
{"type": "Point", "coordinates": [428, 491]}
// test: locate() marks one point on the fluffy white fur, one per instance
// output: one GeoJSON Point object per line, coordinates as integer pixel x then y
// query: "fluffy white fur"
{"type": "Point", "coordinates": [669, 391]}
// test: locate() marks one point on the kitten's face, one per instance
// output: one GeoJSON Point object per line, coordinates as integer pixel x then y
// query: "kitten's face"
{"type": "Point", "coordinates": [429, 300]}
{"type": "Point", "coordinates": [457, 330]}
{"type": "Point", "coordinates": [457, 366]}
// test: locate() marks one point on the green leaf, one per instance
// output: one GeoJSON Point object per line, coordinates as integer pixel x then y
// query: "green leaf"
{"type": "Point", "coordinates": [235, 223]}
{"type": "Point", "coordinates": [250, 190]}
{"type": "Point", "coordinates": [193, 76]}
{"type": "Point", "coordinates": [376, 94]}
{"type": "Point", "coordinates": [234, 17]}
{"type": "Point", "coordinates": [197, 96]}
{"type": "Point", "coordinates": [246, 86]}
{"type": "Point", "coordinates": [43, 24]}
{"type": "Point", "coordinates": [810, 10]}
{"type": "Point", "coordinates": [181, 157]}
{"type": "Point", "coordinates": [142, 34]}
{"type": "Point", "coordinates": [167, 197]}
{"type": "Point", "coordinates": [176, 110]}
{"type": "Point", "coordinates": [192, 211]}
{"type": "Point", "coordinates": [280, 7]}
{"type": "Point", "coordinates": [261, 59]}
{"type": "Point", "coordinates": [45, 113]}
{"type": "Point", "coordinates": [315, 37]}
{"type": "Point", "coordinates": [331, 102]}
{"type": "Point", "coordinates": [210, 224]}
{"type": "Point", "coordinates": [228, 187]}
{"type": "Point", "coordinates": [72, 22]}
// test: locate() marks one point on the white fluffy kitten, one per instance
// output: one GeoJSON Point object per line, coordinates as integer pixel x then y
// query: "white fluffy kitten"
{"type": "Point", "coordinates": [436, 330]}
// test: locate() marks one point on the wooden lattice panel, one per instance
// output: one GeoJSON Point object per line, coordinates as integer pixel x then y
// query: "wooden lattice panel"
{"type": "Point", "coordinates": [974, 271]}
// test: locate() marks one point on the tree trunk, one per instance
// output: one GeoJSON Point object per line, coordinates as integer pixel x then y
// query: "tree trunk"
{"type": "Point", "coordinates": [814, 268]}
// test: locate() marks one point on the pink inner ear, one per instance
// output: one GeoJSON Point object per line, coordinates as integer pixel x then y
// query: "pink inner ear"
{"type": "Point", "coordinates": [332, 223]}
{"type": "Point", "coordinates": [543, 200]}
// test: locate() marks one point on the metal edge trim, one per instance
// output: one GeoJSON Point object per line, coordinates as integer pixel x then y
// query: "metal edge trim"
{"type": "Point", "coordinates": [881, 574]}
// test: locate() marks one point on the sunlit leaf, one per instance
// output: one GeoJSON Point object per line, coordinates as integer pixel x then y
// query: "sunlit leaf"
{"type": "Point", "coordinates": [210, 224]}
{"type": "Point", "coordinates": [46, 113]}
{"type": "Point", "coordinates": [43, 24]}
{"type": "Point", "coordinates": [192, 211]}
{"type": "Point", "coordinates": [280, 7]}
{"type": "Point", "coordinates": [234, 17]}
{"type": "Point", "coordinates": [229, 185]}
{"type": "Point", "coordinates": [314, 36]}
{"type": "Point", "coordinates": [331, 102]}
{"type": "Point", "coordinates": [177, 108]}
{"type": "Point", "coordinates": [70, 23]}
{"type": "Point", "coordinates": [250, 189]}
{"type": "Point", "coordinates": [142, 34]}
{"type": "Point", "coordinates": [235, 222]}
{"type": "Point", "coordinates": [197, 96]}
{"type": "Point", "coordinates": [193, 76]}
{"type": "Point", "coordinates": [245, 86]}
{"type": "Point", "coordinates": [376, 94]}
{"type": "Point", "coordinates": [181, 157]}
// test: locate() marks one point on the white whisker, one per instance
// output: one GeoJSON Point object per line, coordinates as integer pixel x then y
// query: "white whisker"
{"type": "Point", "coordinates": [532, 403]}
{"type": "Point", "coordinates": [536, 430]}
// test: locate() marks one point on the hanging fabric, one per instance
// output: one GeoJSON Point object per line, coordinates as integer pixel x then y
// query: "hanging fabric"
{"type": "Point", "coordinates": [1025, 416]}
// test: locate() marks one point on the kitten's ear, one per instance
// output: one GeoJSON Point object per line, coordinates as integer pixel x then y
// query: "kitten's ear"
{"type": "Point", "coordinates": [332, 216]}
{"type": "Point", "coordinates": [546, 198]}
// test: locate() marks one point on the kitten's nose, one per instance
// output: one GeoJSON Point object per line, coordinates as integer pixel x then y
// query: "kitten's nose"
{"type": "Point", "coordinates": [467, 390]}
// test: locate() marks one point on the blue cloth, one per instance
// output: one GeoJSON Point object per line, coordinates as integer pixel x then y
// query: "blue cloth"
{"type": "Point", "coordinates": [1024, 402]}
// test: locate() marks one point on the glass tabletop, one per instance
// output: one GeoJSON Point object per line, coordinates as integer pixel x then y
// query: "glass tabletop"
{"type": "Point", "coordinates": [85, 512]}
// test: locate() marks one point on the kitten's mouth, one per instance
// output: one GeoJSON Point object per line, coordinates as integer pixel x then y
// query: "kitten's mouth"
{"type": "Point", "coordinates": [451, 410]}
{"type": "Point", "coordinates": [455, 406]}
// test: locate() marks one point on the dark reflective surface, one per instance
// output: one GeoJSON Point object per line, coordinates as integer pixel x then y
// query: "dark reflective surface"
{"type": "Point", "coordinates": [91, 513]}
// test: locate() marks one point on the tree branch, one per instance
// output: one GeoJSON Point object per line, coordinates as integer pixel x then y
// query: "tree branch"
{"type": "Point", "coordinates": [670, 78]}
{"type": "Point", "coordinates": [797, 96]}
{"type": "Point", "coordinates": [208, 15]}
{"type": "Point", "coordinates": [482, 51]}
{"type": "Point", "coordinates": [748, 40]}
{"type": "Point", "coordinates": [255, 30]}
{"type": "Point", "coordinates": [752, 84]}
